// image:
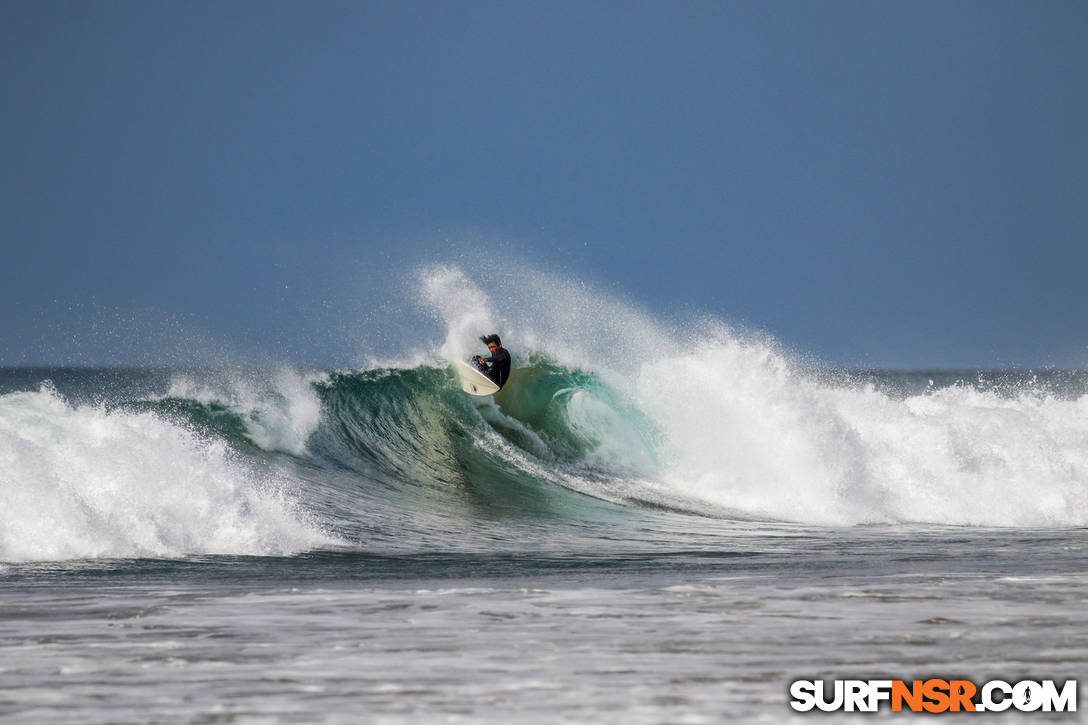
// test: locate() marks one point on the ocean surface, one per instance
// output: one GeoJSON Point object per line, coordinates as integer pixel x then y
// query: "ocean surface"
{"type": "Point", "coordinates": [651, 523]}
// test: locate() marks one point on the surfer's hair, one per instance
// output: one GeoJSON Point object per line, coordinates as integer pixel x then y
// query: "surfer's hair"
{"type": "Point", "coordinates": [488, 339]}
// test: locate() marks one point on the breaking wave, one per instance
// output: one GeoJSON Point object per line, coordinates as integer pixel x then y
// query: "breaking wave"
{"type": "Point", "coordinates": [608, 408]}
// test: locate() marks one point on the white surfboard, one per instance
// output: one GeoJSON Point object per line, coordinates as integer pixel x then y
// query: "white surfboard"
{"type": "Point", "coordinates": [472, 380]}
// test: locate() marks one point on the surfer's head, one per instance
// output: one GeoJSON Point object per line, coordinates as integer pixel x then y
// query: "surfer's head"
{"type": "Point", "coordinates": [492, 341]}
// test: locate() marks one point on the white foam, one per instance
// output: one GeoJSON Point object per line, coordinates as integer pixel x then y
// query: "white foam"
{"type": "Point", "coordinates": [80, 482]}
{"type": "Point", "coordinates": [751, 430]}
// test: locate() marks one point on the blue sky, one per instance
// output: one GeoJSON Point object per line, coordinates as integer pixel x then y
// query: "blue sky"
{"type": "Point", "coordinates": [874, 183]}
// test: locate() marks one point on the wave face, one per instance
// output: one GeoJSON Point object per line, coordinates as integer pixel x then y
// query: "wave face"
{"type": "Point", "coordinates": [611, 414]}
{"type": "Point", "coordinates": [769, 443]}
{"type": "Point", "coordinates": [550, 430]}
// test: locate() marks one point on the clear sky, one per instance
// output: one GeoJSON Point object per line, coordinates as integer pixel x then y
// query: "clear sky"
{"type": "Point", "coordinates": [874, 183]}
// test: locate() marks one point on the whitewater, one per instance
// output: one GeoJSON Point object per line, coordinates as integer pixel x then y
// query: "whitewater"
{"type": "Point", "coordinates": [659, 519]}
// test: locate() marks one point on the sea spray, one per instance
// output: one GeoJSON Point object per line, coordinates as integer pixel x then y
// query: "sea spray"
{"type": "Point", "coordinates": [465, 309]}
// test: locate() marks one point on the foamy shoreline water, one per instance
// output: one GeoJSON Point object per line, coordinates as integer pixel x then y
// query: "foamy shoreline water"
{"type": "Point", "coordinates": [671, 637]}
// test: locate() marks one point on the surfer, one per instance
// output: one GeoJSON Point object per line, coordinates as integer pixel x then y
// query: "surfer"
{"type": "Point", "coordinates": [497, 366]}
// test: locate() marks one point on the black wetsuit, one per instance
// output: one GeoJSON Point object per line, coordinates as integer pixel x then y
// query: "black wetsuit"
{"type": "Point", "coordinates": [497, 367]}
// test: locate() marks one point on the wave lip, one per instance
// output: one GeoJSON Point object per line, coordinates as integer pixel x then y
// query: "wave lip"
{"type": "Point", "coordinates": [82, 482]}
{"type": "Point", "coordinates": [278, 412]}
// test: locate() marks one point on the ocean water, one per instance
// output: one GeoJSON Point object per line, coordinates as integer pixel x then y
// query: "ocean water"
{"type": "Point", "coordinates": [656, 521]}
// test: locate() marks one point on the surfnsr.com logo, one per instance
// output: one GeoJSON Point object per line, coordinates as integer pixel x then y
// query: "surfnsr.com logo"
{"type": "Point", "coordinates": [933, 696]}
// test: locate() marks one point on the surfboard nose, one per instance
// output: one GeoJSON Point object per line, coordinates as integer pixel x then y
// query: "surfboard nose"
{"type": "Point", "coordinates": [472, 380]}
